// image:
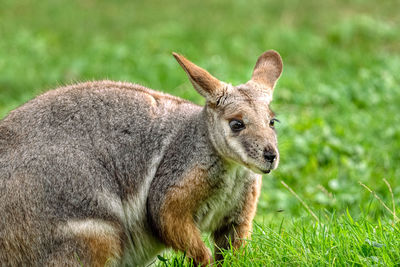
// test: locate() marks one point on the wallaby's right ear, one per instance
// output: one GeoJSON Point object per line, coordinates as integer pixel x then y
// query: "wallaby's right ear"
{"type": "Point", "coordinates": [206, 84]}
{"type": "Point", "coordinates": [268, 69]}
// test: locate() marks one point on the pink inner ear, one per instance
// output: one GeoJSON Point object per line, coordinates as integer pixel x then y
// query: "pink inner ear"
{"type": "Point", "coordinates": [268, 69]}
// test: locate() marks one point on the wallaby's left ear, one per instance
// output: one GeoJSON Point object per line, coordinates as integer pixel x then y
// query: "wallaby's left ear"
{"type": "Point", "coordinates": [268, 69]}
{"type": "Point", "coordinates": [207, 85]}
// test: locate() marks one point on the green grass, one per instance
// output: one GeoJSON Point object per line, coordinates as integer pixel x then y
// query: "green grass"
{"type": "Point", "coordinates": [340, 240]}
{"type": "Point", "coordinates": [338, 100]}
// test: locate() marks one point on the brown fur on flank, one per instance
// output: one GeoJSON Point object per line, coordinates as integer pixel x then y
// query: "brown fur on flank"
{"type": "Point", "coordinates": [102, 249]}
{"type": "Point", "coordinates": [111, 173]}
{"type": "Point", "coordinates": [178, 227]}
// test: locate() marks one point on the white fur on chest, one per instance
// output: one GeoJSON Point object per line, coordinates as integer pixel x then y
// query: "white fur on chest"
{"type": "Point", "coordinates": [225, 201]}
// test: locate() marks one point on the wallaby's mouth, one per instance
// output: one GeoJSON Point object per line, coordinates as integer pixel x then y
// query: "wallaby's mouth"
{"type": "Point", "coordinates": [268, 169]}
{"type": "Point", "coordinates": [261, 171]}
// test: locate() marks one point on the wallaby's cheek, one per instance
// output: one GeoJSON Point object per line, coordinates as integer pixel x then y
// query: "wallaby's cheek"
{"type": "Point", "coordinates": [235, 150]}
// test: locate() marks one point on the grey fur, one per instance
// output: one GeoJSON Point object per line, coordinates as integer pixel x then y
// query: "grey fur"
{"type": "Point", "coordinates": [64, 149]}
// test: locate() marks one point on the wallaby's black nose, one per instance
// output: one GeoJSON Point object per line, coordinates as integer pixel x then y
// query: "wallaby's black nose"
{"type": "Point", "coordinates": [269, 156]}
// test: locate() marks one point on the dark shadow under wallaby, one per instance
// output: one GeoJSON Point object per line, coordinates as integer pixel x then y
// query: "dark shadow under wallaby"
{"type": "Point", "coordinates": [113, 173]}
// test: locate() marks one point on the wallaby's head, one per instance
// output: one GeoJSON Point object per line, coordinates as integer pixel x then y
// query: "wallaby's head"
{"type": "Point", "coordinates": [240, 122]}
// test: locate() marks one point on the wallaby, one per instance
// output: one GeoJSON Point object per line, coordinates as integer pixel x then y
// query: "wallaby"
{"type": "Point", "coordinates": [111, 173]}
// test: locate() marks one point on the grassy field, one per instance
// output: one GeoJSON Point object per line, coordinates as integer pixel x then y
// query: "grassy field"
{"type": "Point", "coordinates": [338, 101]}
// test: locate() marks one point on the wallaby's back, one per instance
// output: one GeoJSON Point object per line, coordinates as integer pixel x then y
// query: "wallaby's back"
{"type": "Point", "coordinates": [61, 150]}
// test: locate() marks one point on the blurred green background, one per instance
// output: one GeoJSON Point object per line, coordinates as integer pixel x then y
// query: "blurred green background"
{"type": "Point", "coordinates": [338, 99]}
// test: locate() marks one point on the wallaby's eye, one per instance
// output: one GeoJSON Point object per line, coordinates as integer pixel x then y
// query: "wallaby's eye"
{"type": "Point", "coordinates": [236, 125]}
{"type": "Point", "coordinates": [272, 122]}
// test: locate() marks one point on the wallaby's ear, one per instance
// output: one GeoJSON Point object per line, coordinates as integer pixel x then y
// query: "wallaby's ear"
{"type": "Point", "coordinates": [268, 69]}
{"type": "Point", "coordinates": [207, 85]}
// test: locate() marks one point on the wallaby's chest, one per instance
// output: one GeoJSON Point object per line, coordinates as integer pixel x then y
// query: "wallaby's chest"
{"type": "Point", "coordinates": [225, 201]}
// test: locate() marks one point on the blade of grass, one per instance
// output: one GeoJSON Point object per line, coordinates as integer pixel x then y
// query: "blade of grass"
{"type": "Point", "coordinates": [380, 200]}
{"type": "Point", "coordinates": [299, 199]}
{"type": "Point", "coordinates": [393, 203]}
